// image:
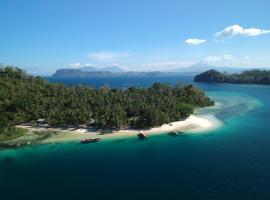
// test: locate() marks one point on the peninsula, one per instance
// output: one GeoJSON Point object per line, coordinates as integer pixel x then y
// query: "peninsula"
{"type": "Point", "coordinates": [28, 101]}
{"type": "Point", "coordinates": [246, 77]}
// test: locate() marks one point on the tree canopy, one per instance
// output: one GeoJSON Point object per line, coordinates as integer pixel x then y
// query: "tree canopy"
{"type": "Point", "coordinates": [248, 77]}
{"type": "Point", "coordinates": [25, 98]}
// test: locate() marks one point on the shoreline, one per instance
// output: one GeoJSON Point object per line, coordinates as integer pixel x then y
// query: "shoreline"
{"type": "Point", "coordinates": [192, 125]}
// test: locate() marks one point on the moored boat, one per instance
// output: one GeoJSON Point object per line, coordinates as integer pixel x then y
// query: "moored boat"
{"type": "Point", "coordinates": [175, 133]}
{"type": "Point", "coordinates": [14, 145]}
{"type": "Point", "coordinates": [90, 140]}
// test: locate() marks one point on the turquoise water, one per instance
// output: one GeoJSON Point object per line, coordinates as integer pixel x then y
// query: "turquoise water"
{"type": "Point", "coordinates": [232, 162]}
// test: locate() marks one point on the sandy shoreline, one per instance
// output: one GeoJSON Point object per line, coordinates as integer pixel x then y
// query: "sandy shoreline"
{"type": "Point", "coordinates": [193, 124]}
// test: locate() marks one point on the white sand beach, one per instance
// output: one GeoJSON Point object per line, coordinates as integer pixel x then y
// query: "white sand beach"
{"type": "Point", "coordinates": [193, 124]}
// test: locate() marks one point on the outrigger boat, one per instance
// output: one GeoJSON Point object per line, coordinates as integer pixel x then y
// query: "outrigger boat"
{"type": "Point", "coordinates": [142, 135]}
{"type": "Point", "coordinates": [90, 140]}
{"type": "Point", "coordinates": [176, 133]}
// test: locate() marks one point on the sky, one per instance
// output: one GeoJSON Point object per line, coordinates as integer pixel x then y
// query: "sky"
{"type": "Point", "coordinates": [44, 35]}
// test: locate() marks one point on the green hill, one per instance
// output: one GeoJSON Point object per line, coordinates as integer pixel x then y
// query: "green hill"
{"type": "Point", "coordinates": [246, 77]}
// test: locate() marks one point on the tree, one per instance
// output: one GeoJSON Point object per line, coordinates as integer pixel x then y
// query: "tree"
{"type": "Point", "coordinates": [3, 122]}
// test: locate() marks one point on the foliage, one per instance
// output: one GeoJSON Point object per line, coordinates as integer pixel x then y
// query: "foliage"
{"type": "Point", "coordinates": [24, 99]}
{"type": "Point", "coordinates": [248, 77]}
{"type": "Point", "coordinates": [10, 133]}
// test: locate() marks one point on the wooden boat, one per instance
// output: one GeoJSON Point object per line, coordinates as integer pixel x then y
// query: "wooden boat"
{"type": "Point", "coordinates": [142, 135]}
{"type": "Point", "coordinates": [176, 133]}
{"type": "Point", "coordinates": [14, 145]}
{"type": "Point", "coordinates": [173, 133]}
{"type": "Point", "coordinates": [90, 140]}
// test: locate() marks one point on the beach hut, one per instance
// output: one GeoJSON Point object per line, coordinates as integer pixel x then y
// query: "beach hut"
{"type": "Point", "coordinates": [41, 122]}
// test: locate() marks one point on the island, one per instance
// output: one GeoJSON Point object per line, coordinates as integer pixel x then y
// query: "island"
{"type": "Point", "coordinates": [246, 77]}
{"type": "Point", "coordinates": [32, 109]}
{"type": "Point", "coordinates": [82, 73]}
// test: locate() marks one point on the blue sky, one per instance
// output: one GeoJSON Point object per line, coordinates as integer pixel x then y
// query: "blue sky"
{"type": "Point", "coordinates": [42, 36]}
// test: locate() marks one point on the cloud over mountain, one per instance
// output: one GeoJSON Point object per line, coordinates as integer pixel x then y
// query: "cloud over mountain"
{"type": "Point", "coordinates": [75, 65]}
{"type": "Point", "coordinates": [214, 59]}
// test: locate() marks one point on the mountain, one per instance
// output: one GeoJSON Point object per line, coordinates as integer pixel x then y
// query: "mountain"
{"type": "Point", "coordinates": [113, 69]}
{"type": "Point", "coordinates": [78, 73]}
{"type": "Point", "coordinates": [88, 69]}
{"type": "Point", "coordinates": [201, 67]}
{"type": "Point", "coordinates": [210, 76]}
{"type": "Point", "coordinates": [193, 68]}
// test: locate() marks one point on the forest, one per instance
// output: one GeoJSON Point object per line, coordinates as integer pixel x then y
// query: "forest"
{"type": "Point", "coordinates": [246, 77]}
{"type": "Point", "coordinates": [25, 99]}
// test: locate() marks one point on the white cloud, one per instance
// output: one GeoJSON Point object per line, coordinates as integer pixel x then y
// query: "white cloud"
{"type": "Point", "coordinates": [217, 59]}
{"type": "Point", "coordinates": [247, 58]}
{"type": "Point", "coordinates": [106, 56]}
{"type": "Point", "coordinates": [228, 57]}
{"type": "Point", "coordinates": [194, 41]}
{"type": "Point", "coordinates": [114, 64]}
{"type": "Point", "coordinates": [231, 61]}
{"type": "Point", "coordinates": [90, 65]}
{"type": "Point", "coordinates": [75, 65]}
{"type": "Point", "coordinates": [162, 64]}
{"type": "Point", "coordinates": [238, 30]}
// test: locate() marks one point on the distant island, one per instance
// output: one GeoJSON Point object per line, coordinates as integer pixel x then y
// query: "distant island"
{"type": "Point", "coordinates": [29, 100]}
{"type": "Point", "coordinates": [81, 73]}
{"type": "Point", "coordinates": [246, 77]}
{"type": "Point", "coordinates": [114, 71]}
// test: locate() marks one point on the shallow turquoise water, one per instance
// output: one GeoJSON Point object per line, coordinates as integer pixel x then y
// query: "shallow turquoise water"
{"type": "Point", "coordinates": [232, 162]}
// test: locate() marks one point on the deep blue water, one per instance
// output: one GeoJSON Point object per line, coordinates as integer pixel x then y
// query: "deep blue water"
{"type": "Point", "coordinates": [121, 82]}
{"type": "Point", "coordinates": [232, 162]}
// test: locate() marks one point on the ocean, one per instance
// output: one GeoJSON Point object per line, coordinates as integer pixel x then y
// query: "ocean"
{"type": "Point", "coordinates": [231, 162]}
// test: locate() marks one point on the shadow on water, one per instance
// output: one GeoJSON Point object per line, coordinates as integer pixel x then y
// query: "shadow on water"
{"type": "Point", "coordinates": [183, 136]}
{"type": "Point", "coordinates": [232, 111]}
{"type": "Point", "coordinates": [7, 160]}
{"type": "Point", "coordinates": [138, 140]}
{"type": "Point", "coordinates": [84, 144]}
{"type": "Point", "coordinates": [120, 141]}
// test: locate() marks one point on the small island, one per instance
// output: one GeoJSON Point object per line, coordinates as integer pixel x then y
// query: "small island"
{"type": "Point", "coordinates": [32, 104]}
{"type": "Point", "coordinates": [246, 77]}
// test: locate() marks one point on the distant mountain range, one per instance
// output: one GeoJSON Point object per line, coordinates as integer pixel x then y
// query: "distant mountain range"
{"type": "Point", "coordinates": [111, 71]}
{"type": "Point", "coordinates": [201, 67]}
{"type": "Point", "coordinates": [77, 73]}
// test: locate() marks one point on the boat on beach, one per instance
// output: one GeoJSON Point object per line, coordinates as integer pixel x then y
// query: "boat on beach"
{"type": "Point", "coordinates": [14, 145]}
{"type": "Point", "coordinates": [90, 140]}
{"type": "Point", "coordinates": [142, 135]}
